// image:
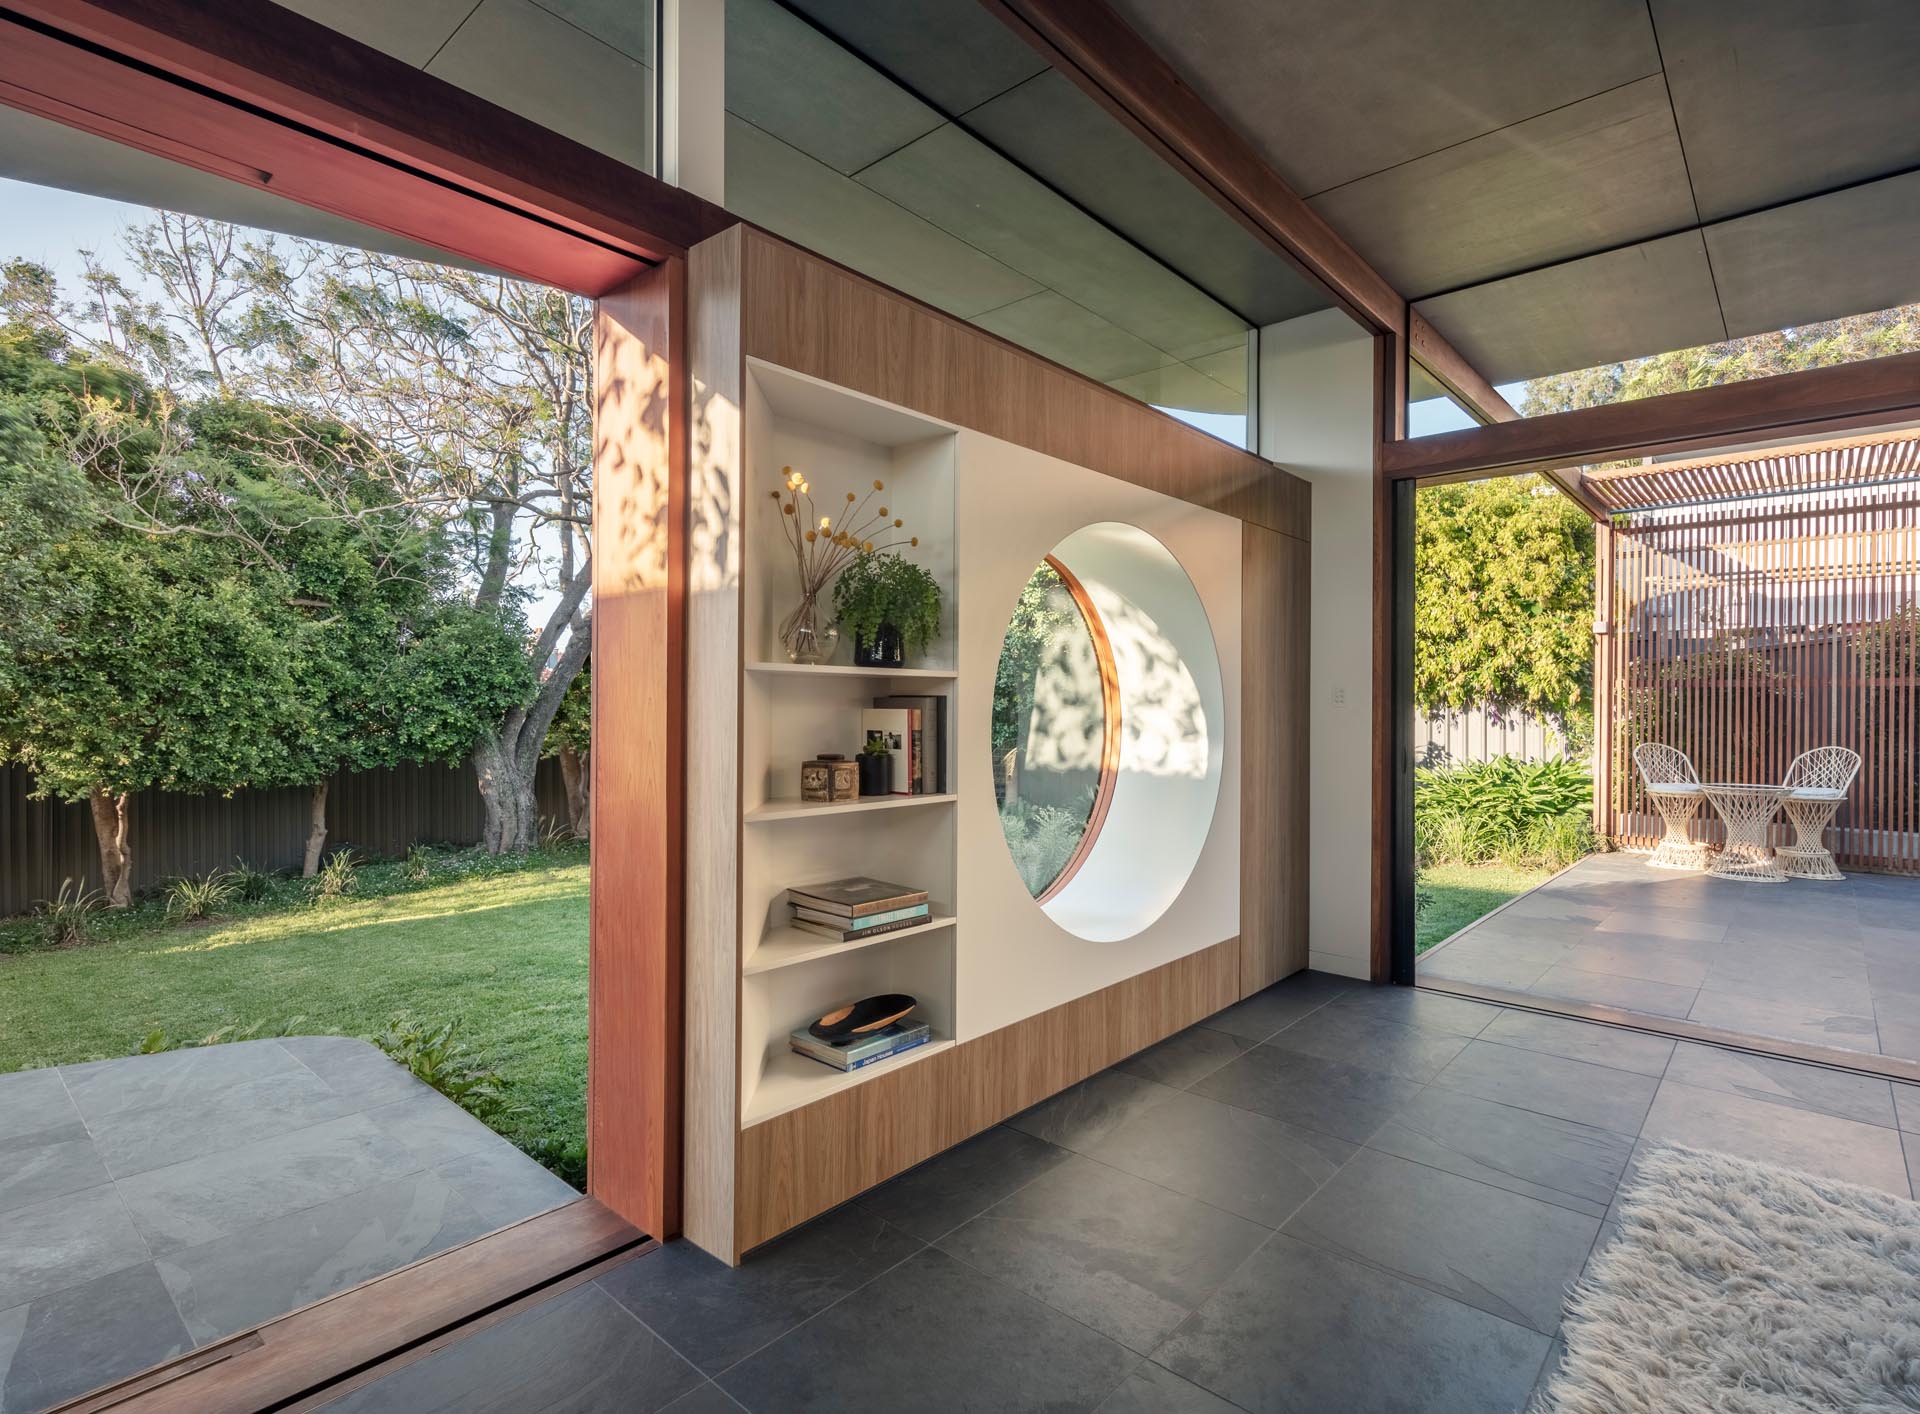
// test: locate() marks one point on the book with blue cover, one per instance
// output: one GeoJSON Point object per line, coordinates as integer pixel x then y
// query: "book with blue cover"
{"type": "Point", "coordinates": [859, 1051]}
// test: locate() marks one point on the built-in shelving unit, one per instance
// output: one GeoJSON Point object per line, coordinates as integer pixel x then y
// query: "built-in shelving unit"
{"type": "Point", "coordinates": [790, 712]}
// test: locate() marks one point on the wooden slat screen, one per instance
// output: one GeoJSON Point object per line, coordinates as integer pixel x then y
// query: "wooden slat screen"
{"type": "Point", "coordinates": [1748, 632]}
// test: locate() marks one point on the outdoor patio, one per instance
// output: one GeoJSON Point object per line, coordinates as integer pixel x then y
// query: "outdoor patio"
{"type": "Point", "coordinates": [153, 1204]}
{"type": "Point", "coordinates": [1825, 963]}
{"type": "Point", "coordinates": [1328, 1197]}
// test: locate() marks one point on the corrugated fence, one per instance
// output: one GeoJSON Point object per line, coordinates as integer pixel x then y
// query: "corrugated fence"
{"type": "Point", "coordinates": [43, 842]}
{"type": "Point", "coordinates": [1478, 734]}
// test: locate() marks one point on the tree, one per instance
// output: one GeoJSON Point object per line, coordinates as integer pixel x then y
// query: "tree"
{"type": "Point", "coordinates": [570, 739]}
{"type": "Point", "coordinates": [1503, 603]}
{"type": "Point", "coordinates": [1835, 341]}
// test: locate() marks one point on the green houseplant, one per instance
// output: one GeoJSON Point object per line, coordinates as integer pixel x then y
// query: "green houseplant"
{"type": "Point", "coordinates": [891, 606]}
{"type": "Point", "coordinates": [876, 767]}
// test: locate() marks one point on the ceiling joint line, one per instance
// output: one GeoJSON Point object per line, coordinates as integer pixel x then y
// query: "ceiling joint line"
{"type": "Point", "coordinates": [1686, 168]}
{"type": "Point", "coordinates": [441, 46]}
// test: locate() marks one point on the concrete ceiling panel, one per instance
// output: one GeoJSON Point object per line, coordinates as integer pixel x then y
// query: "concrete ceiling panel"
{"type": "Point", "coordinates": [1850, 252]}
{"type": "Point", "coordinates": [411, 32]}
{"type": "Point", "coordinates": [1179, 385]}
{"type": "Point", "coordinates": [953, 52]}
{"type": "Point", "coordinates": [51, 154]}
{"type": "Point", "coordinates": [786, 191]}
{"type": "Point", "coordinates": [1054, 327]}
{"type": "Point", "coordinates": [967, 189]}
{"type": "Point", "coordinates": [1780, 99]}
{"type": "Point", "coordinates": [1602, 172]}
{"type": "Point", "coordinates": [788, 79]}
{"type": "Point", "coordinates": [1333, 90]}
{"type": "Point", "coordinates": [1642, 299]}
{"type": "Point", "coordinates": [524, 58]}
{"type": "Point", "coordinates": [625, 24]}
{"type": "Point", "coordinates": [1078, 148]}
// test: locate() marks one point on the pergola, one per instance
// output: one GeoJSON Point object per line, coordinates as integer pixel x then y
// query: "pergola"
{"type": "Point", "coordinates": [1757, 604]}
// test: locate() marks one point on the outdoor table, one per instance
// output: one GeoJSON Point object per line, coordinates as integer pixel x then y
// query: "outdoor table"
{"type": "Point", "coordinates": [1748, 811]}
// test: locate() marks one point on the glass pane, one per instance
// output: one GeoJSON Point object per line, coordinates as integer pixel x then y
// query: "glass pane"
{"type": "Point", "coordinates": [1049, 730]}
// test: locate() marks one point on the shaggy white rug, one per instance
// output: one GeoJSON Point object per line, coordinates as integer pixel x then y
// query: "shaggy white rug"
{"type": "Point", "coordinates": [1742, 1288]}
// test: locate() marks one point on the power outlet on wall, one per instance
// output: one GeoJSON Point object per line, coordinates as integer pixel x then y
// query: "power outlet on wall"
{"type": "Point", "coordinates": [1339, 697]}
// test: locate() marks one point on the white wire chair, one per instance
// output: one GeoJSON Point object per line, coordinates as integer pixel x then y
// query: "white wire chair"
{"type": "Point", "coordinates": [1674, 787]}
{"type": "Point", "coordinates": [1816, 783]}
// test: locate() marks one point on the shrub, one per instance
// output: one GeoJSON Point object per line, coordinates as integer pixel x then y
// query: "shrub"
{"type": "Point", "coordinates": [436, 1055]}
{"type": "Point", "coordinates": [158, 1040]}
{"type": "Point", "coordinates": [419, 863]}
{"type": "Point", "coordinates": [250, 885]}
{"type": "Point", "coordinates": [1527, 814]}
{"type": "Point", "coordinates": [66, 919]}
{"type": "Point", "coordinates": [564, 1158]}
{"type": "Point", "coordinates": [195, 899]}
{"type": "Point", "coordinates": [336, 878]}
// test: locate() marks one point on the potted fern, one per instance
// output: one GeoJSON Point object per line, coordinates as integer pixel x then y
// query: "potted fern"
{"type": "Point", "coordinates": [890, 606]}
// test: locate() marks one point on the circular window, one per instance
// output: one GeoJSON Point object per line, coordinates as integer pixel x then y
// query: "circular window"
{"type": "Point", "coordinates": [1107, 731]}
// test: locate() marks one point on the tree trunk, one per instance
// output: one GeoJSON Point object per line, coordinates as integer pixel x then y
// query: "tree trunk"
{"type": "Point", "coordinates": [316, 830]}
{"type": "Point", "coordinates": [110, 831]}
{"type": "Point", "coordinates": [573, 770]}
{"type": "Point", "coordinates": [507, 793]}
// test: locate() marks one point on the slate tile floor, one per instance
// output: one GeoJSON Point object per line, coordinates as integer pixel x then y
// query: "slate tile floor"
{"type": "Point", "coordinates": [156, 1203]}
{"type": "Point", "coordinates": [1235, 1219]}
{"type": "Point", "coordinates": [1833, 964]}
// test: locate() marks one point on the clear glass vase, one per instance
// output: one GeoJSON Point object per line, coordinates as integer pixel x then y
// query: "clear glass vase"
{"type": "Point", "coordinates": [804, 637]}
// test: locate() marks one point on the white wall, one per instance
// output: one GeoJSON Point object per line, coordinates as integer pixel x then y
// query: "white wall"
{"type": "Point", "coordinates": [1316, 418]}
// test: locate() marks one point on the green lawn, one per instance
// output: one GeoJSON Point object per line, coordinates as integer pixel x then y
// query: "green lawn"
{"type": "Point", "coordinates": [1464, 892]}
{"type": "Point", "coordinates": [505, 953]}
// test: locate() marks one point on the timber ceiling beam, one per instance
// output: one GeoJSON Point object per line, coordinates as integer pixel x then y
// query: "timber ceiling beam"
{"type": "Point", "coordinates": [1103, 56]}
{"type": "Point", "coordinates": [253, 65]}
{"type": "Point", "coordinates": [1850, 396]}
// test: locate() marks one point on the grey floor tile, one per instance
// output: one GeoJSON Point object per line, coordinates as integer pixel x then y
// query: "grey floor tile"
{"type": "Point", "coordinates": [1890, 945]}
{"type": "Point", "coordinates": [707, 1398]}
{"type": "Point", "coordinates": [65, 1241]}
{"type": "Point", "coordinates": [1552, 1085]}
{"type": "Point", "coordinates": [945, 1191]}
{"type": "Point", "coordinates": [1556, 1353]}
{"type": "Point", "coordinates": [1897, 1035]}
{"type": "Point", "coordinates": [1282, 1004]}
{"type": "Point", "coordinates": [258, 1273]}
{"type": "Point", "coordinates": [1756, 1129]}
{"type": "Point", "coordinates": [1345, 1101]}
{"type": "Point", "coordinates": [1783, 1082]}
{"type": "Point", "coordinates": [1186, 1057]}
{"type": "Point", "coordinates": [1630, 993]}
{"type": "Point", "coordinates": [1906, 1106]}
{"type": "Point", "coordinates": [716, 1315]}
{"type": "Point", "coordinates": [1911, 1144]}
{"type": "Point", "coordinates": [186, 1204]}
{"type": "Point", "coordinates": [1430, 1011]}
{"type": "Point", "coordinates": [1082, 1115]}
{"type": "Point", "coordinates": [933, 1333]}
{"type": "Point", "coordinates": [133, 1141]}
{"type": "Point", "coordinates": [1337, 1034]}
{"type": "Point", "coordinates": [1510, 1255]}
{"type": "Point", "coordinates": [433, 1127]}
{"type": "Point", "coordinates": [85, 1336]}
{"type": "Point", "coordinates": [1485, 966]}
{"type": "Point", "coordinates": [1128, 1258]}
{"type": "Point", "coordinates": [1298, 1330]}
{"type": "Point", "coordinates": [503, 1186]}
{"type": "Point", "coordinates": [1621, 955]}
{"type": "Point", "coordinates": [1154, 1389]}
{"type": "Point", "coordinates": [46, 1163]}
{"type": "Point", "coordinates": [580, 1352]}
{"type": "Point", "coordinates": [1250, 1164]}
{"type": "Point", "coordinates": [355, 1068]}
{"type": "Point", "coordinates": [32, 1100]}
{"type": "Point", "coordinates": [1839, 985]}
{"type": "Point", "coordinates": [1556, 1160]}
{"type": "Point", "coordinates": [193, 1074]}
{"type": "Point", "coordinates": [1791, 1021]}
{"type": "Point", "coordinates": [1701, 923]}
{"type": "Point", "coordinates": [1563, 1036]}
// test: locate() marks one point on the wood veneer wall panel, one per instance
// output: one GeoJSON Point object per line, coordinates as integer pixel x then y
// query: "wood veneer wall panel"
{"type": "Point", "coordinates": [713, 741]}
{"type": "Point", "coordinates": [639, 639]}
{"type": "Point", "coordinates": [1274, 590]}
{"type": "Point", "coordinates": [811, 315]}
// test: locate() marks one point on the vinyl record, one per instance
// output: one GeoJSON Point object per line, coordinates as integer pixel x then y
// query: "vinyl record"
{"type": "Point", "coordinates": [861, 1017]}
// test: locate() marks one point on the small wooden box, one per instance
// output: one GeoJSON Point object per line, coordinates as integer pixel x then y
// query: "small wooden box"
{"type": "Point", "coordinates": [829, 778]}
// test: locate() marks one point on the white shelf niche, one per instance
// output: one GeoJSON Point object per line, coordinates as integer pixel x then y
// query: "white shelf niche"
{"type": "Point", "coordinates": [790, 946]}
{"type": "Point", "coordinates": [843, 670]}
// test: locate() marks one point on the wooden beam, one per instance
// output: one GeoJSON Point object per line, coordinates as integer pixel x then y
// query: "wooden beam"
{"type": "Point", "coordinates": [1091, 45]}
{"type": "Point", "coordinates": [637, 915]}
{"type": "Point", "coordinates": [254, 65]}
{"type": "Point", "coordinates": [1427, 347]}
{"type": "Point", "coordinates": [1851, 396]}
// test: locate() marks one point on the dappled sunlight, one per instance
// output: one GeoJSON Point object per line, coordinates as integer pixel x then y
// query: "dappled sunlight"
{"type": "Point", "coordinates": [1163, 731]}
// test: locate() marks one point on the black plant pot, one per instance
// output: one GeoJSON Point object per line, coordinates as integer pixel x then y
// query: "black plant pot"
{"type": "Point", "coordinates": [885, 651]}
{"type": "Point", "coordinates": [876, 774]}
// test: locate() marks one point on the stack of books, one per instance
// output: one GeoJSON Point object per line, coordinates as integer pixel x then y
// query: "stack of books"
{"type": "Point", "coordinates": [849, 909]}
{"type": "Point", "coordinates": [857, 1051]}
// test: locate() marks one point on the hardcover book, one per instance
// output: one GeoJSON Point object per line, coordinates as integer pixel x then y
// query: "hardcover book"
{"type": "Point", "coordinates": [863, 1050]}
{"type": "Point", "coordinates": [931, 729]}
{"type": "Point", "coordinates": [866, 922]}
{"type": "Point", "coordinates": [840, 933]}
{"type": "Point", "coordinates": [892, 725]}
{"type": "Point", "coordinates": [856, 897]}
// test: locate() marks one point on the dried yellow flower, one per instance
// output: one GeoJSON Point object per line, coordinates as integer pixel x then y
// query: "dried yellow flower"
{"type": "Point", "coordinates": [812, 535]}
{"type": "Point", "coordinates": [897, 523]}
{"type": "Point", "coordinates": [915, 542]}
{"type": "Point", "coordinates": [786, 471]}
{"type": "Point", "coordinates": [774, 494]}
{"type": "Point", "coordinates": [879, 486]}
{"type": "Point", "coordinates": [825, 521]}
{"type": "Point", "coordinates": [881, 511]}
{"type": "Point", "coordinates": [787, 509]}
{"type": "Point", "coordinates": [807, 487]}
{"type": "Point", "coordinates": [868, 547]}
{"type": "Point", "coordinates": [849, 495]}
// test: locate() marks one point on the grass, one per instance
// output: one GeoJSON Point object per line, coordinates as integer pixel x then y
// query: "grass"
{"type": "Point", "coordinates": [1464, 892]}
{"type": "Point", "coordinates": [499, 944]}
